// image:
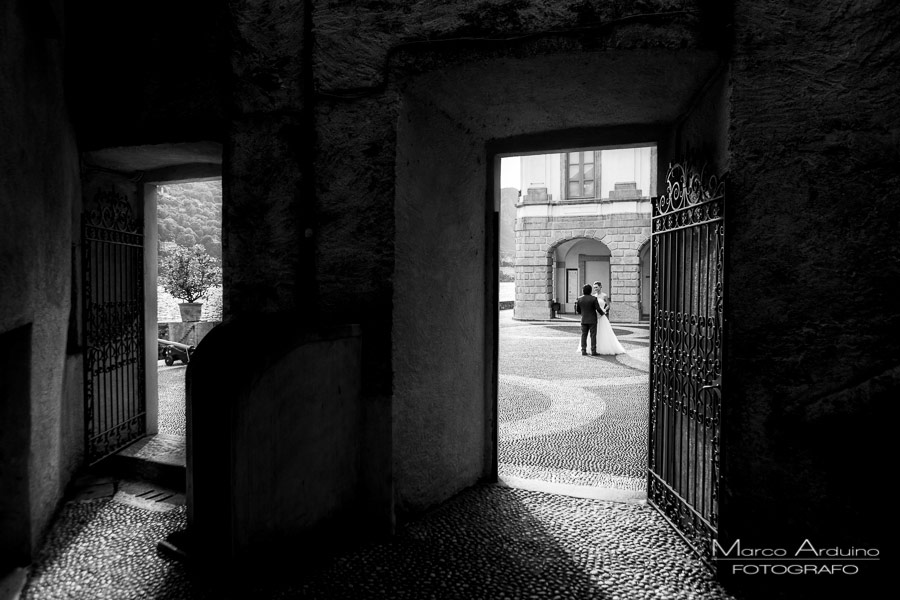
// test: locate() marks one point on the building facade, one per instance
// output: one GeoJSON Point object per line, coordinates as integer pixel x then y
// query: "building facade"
{"type": "Point", "coordinates": [585, 217]}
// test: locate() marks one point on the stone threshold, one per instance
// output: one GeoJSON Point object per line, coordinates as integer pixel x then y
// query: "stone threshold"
{"type": "Point", "coordinates": [158, 459]}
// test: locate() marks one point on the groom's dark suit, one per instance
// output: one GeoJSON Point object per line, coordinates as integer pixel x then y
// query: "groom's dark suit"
{"type": "Point", "coordinates": [589, 307]}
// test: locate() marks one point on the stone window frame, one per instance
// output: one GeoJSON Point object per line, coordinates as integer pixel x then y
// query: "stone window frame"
{"type": "Point", "coordinates": [564, 175]}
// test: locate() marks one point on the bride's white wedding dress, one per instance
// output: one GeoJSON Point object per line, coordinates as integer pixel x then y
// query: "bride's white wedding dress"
{"type": "Point", "coordinates": [607, 342]}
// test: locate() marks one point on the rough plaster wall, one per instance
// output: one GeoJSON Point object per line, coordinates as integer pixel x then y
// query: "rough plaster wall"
{"type": "Point", "coordinates": [40, 184]}
{"type": "Point", "coordinates": [438, 403]}
{"type": "Point", "coordinates": [355, 186]}
{"type": "Point", "coordinates": [267, 199]}
{"type": "Point", "coordinates": [354, 168]}
{"type": "Point", "coordinates": [355, 40]}
{"type": "Point", "coordinates": [704, 130]}
{"type": "Point", "coordinates": [261, 255]}
{"type": "Point", "coordinates": [814, 339]}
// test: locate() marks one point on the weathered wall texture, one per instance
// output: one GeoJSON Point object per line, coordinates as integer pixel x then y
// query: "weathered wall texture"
{"type": "Point", "coordinates": [813, 338]}
{"type": "Point", "coordinates": [268, 187]}
{"type": "Point", "coordinates": [440, 209]}
{"type": "Point", "coordinates": [38, 192]}
{"type": "Point", "coordinates": [703, 131]}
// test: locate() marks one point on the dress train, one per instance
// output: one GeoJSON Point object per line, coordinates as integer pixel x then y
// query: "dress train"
{"type": "Point", "coordinates": [607, 342]}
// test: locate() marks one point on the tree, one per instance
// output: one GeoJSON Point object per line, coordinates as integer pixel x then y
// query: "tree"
{"type": "Point", "coordinates": [189, 273]}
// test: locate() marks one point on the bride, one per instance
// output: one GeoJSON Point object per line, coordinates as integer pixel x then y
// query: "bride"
{"type": "Point", "coordinates": [607, 342]}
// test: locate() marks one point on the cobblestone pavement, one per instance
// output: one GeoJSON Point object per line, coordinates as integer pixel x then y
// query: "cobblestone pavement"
{"type": "Point", "coordinates": [171, 398]}
{"type": "Point", "coordinates": [488, 542]}
{"type": "Point", "coordinates": [562, 417]}
{"type": "Point", "coordinates": [567, 418]}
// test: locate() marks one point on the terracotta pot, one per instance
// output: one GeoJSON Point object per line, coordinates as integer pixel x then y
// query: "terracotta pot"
{"type": "Point", "coordinates": [190, 311]}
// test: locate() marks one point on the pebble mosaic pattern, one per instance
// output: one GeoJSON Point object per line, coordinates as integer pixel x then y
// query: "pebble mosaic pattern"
{"type": "Point", "coordinates": [105, 549]}
{"type": "Point", "coordinates": [488, 542]}
{"type": "Point", "coordinates": [171, 399]}
{"type": "Point", "coordinates": [567, 418]}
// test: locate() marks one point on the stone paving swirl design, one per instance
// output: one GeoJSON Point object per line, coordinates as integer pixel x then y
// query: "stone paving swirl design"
{"type": "Point", "coordinates": [593, 430]}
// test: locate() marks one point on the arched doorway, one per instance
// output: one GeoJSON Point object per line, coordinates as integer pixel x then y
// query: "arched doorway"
{"type": "Point", "coordinates": [575, 263]}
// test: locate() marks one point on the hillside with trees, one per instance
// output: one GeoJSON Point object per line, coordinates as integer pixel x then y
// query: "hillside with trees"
{"type": "Point", "coordinates": [190, 213]}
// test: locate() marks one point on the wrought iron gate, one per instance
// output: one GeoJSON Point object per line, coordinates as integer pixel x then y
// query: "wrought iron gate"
{"type": "Point", "coordinates": [113, 287]}
{"type": "Point", "coordinates": [688, 234]}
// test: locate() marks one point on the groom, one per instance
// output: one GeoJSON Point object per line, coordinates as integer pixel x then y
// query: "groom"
{"type": "Point", "coordinates": [589, 307]}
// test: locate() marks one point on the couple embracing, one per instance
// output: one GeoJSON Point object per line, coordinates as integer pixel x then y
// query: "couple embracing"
{"type": "Point", "coordinates": [593, 306]}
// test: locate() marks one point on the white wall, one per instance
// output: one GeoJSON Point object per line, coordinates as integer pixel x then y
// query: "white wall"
{"type": "Point", "coordinates": [618, 165]}
{"type": "Point", "coordinates": [541, 171]}
{"type": "Point", "coordinates": [623, 165]}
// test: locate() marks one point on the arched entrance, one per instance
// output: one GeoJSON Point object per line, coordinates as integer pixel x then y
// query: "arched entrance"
{"type": "Point", "coordinates": [575, 263]}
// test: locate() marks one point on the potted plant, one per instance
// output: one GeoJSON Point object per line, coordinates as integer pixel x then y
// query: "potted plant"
{"type": "Point", "coordinates": [188, 273]}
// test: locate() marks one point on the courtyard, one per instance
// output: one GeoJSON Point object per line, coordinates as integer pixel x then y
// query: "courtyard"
{"type": "Point", "coordinates": [570, 419]}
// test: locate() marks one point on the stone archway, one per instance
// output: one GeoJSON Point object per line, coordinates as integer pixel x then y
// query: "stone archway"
{"type": "Point", "coordinates": [537, 240]}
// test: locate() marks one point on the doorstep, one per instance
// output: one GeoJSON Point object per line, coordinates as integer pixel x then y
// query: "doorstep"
{"type": "Point", "coordinates": [159, 459]}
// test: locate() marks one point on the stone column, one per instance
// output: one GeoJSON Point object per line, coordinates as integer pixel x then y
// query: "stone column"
{"type": "Point", "coordinates": [624, 282]}
{"type": "Point", "coordinates": [534, 272]}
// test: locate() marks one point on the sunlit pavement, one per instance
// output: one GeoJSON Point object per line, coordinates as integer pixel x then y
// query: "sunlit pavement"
{"type": "Point", "coordinates": [570, 419]}
{"type": "Point", "coordinates": [171, 398]}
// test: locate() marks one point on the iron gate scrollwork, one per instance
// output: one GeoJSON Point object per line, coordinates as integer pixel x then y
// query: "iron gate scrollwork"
{"type": "Point", "coordinates": [688, 234]}
{"type": "Point", "coordinates": [113, 288]}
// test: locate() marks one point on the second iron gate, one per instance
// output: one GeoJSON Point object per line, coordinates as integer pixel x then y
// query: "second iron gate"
{"type": "Point", "coordinates": [688, 234]}
{"type": "Point", "coordinates": [113, 288]}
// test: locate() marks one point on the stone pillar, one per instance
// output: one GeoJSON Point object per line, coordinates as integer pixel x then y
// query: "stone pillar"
{"type": "Point", "coordinates": [534, 273]}
{"type": "Point", "coordinates": [624, 283]}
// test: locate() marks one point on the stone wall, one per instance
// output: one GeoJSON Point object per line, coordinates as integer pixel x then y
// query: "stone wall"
{"type": "Point", "coordinates": [536, 242]}
{"type": "Point", "coordinates": [813, 334]}
{"type": "Point", "coordinates": [39, 204]}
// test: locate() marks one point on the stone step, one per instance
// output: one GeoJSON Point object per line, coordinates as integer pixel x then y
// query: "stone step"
{"type": "Point", "coordinates": [158, 459]}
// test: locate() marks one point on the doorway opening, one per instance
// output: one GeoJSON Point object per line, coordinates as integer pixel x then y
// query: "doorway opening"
{"type": "Point", "coordinates": [571, 423]}
{"type": "Point", "coordinates": [188, 286]}
{"type": "Point", "coordinates": [119, 264]}
{"type": "Point", "coordinates": [182, 267]}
